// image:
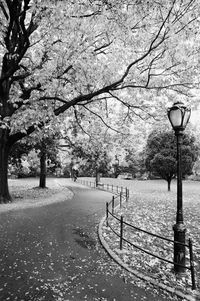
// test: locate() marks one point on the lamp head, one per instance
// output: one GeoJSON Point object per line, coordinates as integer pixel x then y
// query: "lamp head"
{"type": "Point", "coordinates": [179, 116]}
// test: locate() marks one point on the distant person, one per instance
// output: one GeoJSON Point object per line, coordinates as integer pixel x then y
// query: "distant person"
{"type": "Point", "coordinates": [75, 174]}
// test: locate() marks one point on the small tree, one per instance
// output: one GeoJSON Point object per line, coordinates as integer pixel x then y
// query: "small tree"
{"type": "Point", "coordinates": [94, 160]}
{"type": "Point", "coordinates": [134, 162]}
{"type": "Point", "coordinates": [18, 150]}
{"type": "Point", "coordinates": [48, 149]}
{"type": "Point", "coordinates": [161, 156]}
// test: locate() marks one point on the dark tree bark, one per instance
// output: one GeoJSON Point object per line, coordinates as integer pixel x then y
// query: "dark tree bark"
{"type": "Point", "coordinates": [4, 153]}
{"type": "Point", "coordinates": [5, 141]}
{"type": "Point", "coordinates": [42, 168]}
{"type": "Point", "coordinates": [16, 42]}
{"type": "Point", "coordinates": [169, 184]}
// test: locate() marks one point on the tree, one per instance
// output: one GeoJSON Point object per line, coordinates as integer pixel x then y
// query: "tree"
{"type": "Point", "coordinates": [18, 150]}
{"type": "Point", "coordinates": [161, 154]}
{"type": "Point", "coordinates": [134, 162]}
{"type": "Point", "coordinates": [45, 148]}
{"type": "Point", "coordinates": [57, 57]}
{"type": "Point", "coordinates": [91, 153]}
{"type": "Point", "coordinates": [30, 165]}
{"type": "Point", "coordinates": [46, 143]}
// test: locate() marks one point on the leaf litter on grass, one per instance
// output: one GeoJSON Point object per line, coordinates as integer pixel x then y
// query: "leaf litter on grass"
{"type": "Point", "coordinates": [155, 211]}
{"type": "Point", "coordinates": [26, 194]}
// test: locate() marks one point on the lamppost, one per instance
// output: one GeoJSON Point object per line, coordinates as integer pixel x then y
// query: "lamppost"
{"type": "Point", "coordinates": [179, 116]}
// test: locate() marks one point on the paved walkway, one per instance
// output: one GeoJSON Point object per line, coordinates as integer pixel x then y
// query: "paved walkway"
{"type": "Point", "coordinates": [52, 253]}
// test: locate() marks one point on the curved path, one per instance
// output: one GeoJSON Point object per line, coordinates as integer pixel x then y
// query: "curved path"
{"type": "Point", "coordinates": [52, 253]}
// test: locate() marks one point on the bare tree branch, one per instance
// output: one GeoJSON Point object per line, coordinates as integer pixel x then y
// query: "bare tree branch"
{"type": "Point", "coordinates": [86, 15]}
{"type": "Point", "coordinates": [102, 120]}
{"type": "Point", "coordinates": [79, 124]}
{"type": "Point", "coordinates": [132, 107]}
{"type": "Point", "coordinates": [4, 10]}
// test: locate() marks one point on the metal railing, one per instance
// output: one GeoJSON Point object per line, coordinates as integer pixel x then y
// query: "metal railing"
{"type": "Point", "coordinates": [121, 195]}
{"type": "Point", "coordinates": [110, 206]}
{"type": "Point", "coordinates": [107, 187]}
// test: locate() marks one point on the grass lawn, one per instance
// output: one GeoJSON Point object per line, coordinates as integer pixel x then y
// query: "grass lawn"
{"type": "Point", "coordinates": [151, 207]}
{"type": "Point", "coordinates": [26, 193]}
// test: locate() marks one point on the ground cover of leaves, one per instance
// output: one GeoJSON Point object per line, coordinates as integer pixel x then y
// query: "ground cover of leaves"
{"type": "Point", "coordinates": [42, 265]}
{"type": "Point", "coordinates": [152, 208]}
{"type": "Point", "coordinates": [26, 193]}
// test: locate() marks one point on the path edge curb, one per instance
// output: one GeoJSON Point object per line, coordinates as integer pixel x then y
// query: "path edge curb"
{"type": "Point", "coordinates": [139, 275]}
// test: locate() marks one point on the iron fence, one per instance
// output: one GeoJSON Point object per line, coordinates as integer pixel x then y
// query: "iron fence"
{"type": "Point", "coordinates": [107, 187]}
{"type": "Point", "coordinates": [110, 207]}
{"type": "Point", "coordinates": [121, 195]}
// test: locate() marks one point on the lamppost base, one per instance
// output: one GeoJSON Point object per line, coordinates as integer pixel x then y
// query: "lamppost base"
{"type": "Point", "coordinates": [179, 248]}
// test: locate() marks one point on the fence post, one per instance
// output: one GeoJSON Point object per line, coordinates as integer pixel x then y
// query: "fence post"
{"type": "Point", "coordinates": [107, 214]}
{"type": "Point", "coordinates": [192, 265]}
{"type": "Point", "coordinates": [126, 194]}
{"type": "Point", "coordinates": [120, 200]}
{"type": "Point", "coordinates": [113, 204]}
{"type": "Point", "coordinates": [121, 232]}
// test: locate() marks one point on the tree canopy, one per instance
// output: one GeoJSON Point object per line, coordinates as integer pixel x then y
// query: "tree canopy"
{"type": "Point", "coordinates": [161, 154]}
{"type": "Point", "coordinates": [61, 57]}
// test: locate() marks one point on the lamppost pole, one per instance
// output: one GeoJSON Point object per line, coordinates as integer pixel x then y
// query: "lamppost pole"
{"type": "Point", "coordinates": [179, 116]}
{"type": "Point", "coordinates": [179, 216]}
{"type": "Point", "coordinates": [179, 228]}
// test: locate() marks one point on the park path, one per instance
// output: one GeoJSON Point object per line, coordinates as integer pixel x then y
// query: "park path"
{"type": "Point", "coordinates": [52, 253]}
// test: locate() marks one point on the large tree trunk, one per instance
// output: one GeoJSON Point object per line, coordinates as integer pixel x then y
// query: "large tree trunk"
{"type": "Point", "coordinates": [42, 168]}
{"type": "Point", "coordinates": [4, 153]}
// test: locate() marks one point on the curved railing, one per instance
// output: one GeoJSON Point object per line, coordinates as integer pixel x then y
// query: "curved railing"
{"type": "Point", "coordinates": [121, 195]}
{"type": "Point", "coordinates": [110, 207]}
{"type": "Point", "coordinates": [106, 187]}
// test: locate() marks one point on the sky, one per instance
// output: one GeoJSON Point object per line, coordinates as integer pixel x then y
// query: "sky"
{"type": "Point", "coordinates": [195, 116]}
